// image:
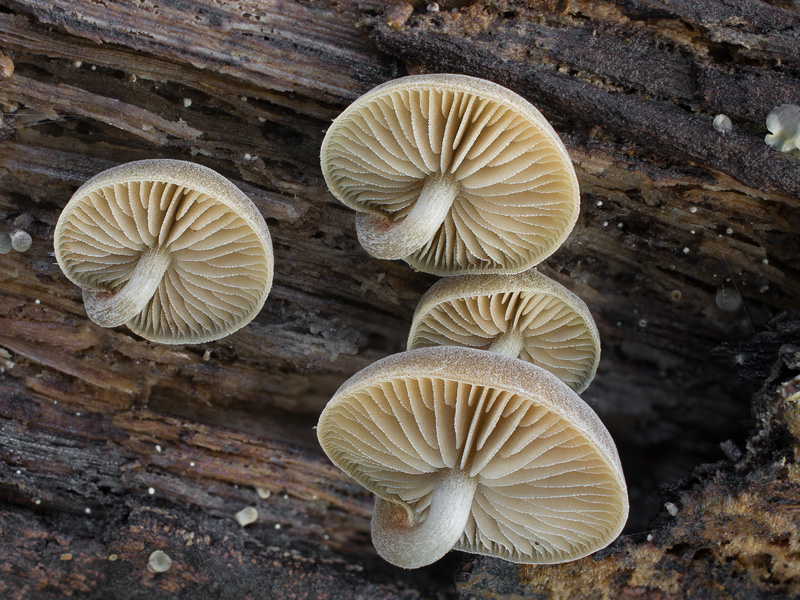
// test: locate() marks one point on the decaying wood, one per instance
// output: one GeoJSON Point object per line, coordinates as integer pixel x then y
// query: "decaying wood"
{"type": "Point", "coordinates": [673, 212]}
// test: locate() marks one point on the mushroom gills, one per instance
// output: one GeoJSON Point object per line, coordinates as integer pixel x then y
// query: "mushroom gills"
{"type": "Point", "coordinates": [391, 240]}
{"type": "Point", "coordinates": [411, 546]}
{"type": "Point", "coordinates": [112, 310]}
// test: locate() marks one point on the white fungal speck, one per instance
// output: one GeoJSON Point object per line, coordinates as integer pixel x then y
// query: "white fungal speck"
{"type": "Point", "coordinates": [207, 355]}
{"type": "Point", "coordinates": [691, 231]}
{"type": "Point", "coordinates": [620, 225]}
{"type": "Point", "coordinates": [599, 203]}
{"type": "Point", "coordinates": [37, 301]}
{"type": "Point", "coordinates": [729, 231]}
{"type": "Point", "coordinates": [722, 123]}
{"type": "Point", "coordinates": [286, 496]}
{"type": "Point", "coordinates": [18, 472]}
{"type": "Point", "coordinates": [686, 250]}
{"type": "Point", "coordinates": [246, 516]}
{"type": "Point", "coordinates": [693, 210]}
{"type": "Point", "coordinates": [37, 501]}
{"type": "Point", "coordinates": [159, 562]}
{"type": "Point", "coordinates": [605, 223]}
{"type": "Point", "coordinates": [87, 510]}
{"type": "Point", "coordinates": [248, 157]}
{"type": "Point", "coordinates": [187, 102]}
{"type": "Point", "coordinates": [151, 491]}
{"type": "Point", "coordinates": [764, 261]}
{"type": "Point", "coordinates": [244, 98]}
{"type": "Point", "coordinates": [433, 7]}
{"type": "Point", "coordinates": [728, 300]}
{"type": "Point", "coordinates": [649, 537]}
{"type": "Point", "coordinates": [262, 119]}
{"type": "Point", "coordinates": [671, 508]}
{"type": "Point", "coordinates": [77, 414]}
{"type": "Point", "coordinates": [21, 241]}
{"type": "Point", "coordinates": [77, 63]}
{"type": "Point", "coordinates": [642, 323]}
{"type": "Point", "coordinates": [158, 447]}
{"type": "Point", "coordinates": [94, 67]}
{"type": "Point", "coordinates": [263, 493]}
{"type": "Point", "coordinates": [277, 525]}
{"type": "Point", "coordinates": [191, 464]}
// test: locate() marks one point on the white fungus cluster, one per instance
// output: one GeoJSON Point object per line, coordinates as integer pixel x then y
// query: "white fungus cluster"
{"type": "Point", "coordinates": [784, 126]}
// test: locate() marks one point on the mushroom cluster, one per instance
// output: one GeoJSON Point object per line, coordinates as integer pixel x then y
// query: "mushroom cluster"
{"type": "Point", "coordinates": [474, 438]}
{"type": "Point", "coordinates": [169, 248]}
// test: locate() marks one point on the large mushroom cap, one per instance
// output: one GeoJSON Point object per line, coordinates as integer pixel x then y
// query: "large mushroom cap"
{"type": "Point", "coordinates": [170, 248]}
{"type": "Point", "coordinates": [526, 316]}
{"type": "Point", "coordinates": [544, 474]}
{"type": "Point", "coordinates": [452, 173]}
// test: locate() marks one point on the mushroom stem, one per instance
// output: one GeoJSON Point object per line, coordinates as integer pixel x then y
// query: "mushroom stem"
{"type": "Point", "coordinates": [508, 344]}
{"type": "Point", "coordinates": [390, 240]}
{"type": "Point", "coordinates": [112, 310]}
{"type": "Point", "coordinates": [415, 545]}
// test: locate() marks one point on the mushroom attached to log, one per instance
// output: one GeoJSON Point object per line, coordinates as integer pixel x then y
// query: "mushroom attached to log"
{"type": "Point", "coordinates": [453, 174]}
{"type": "Point", "coordinates": [784, 125]}
{"type": "Point", "coordinates": [526, 316]}
{"type": "Point", "coordinates": [475, 451]}
{"type": "Point", "coordinates": [170, 248]}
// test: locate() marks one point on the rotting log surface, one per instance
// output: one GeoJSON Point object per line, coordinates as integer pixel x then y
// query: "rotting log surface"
{"type": "Point", "coordinates": [673, 212]}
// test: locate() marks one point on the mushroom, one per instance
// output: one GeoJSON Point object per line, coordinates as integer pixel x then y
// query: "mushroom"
{"type": "Point", "coordinates": [21, 241]}
{"type": "Point", "coordinates": [475, 451]}
{"type": "Point", "coordinates": [526, 316]}
{"type": "Point", "coordinates": [453, 174]}
{"type": "Point", "coordinates": [784, 126]}
{"type": "Point", "coordinates": [171, 249]}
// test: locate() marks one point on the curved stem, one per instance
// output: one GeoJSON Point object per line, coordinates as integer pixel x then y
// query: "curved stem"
{"type": "Point", "coordinates": [111, 310]}
{"type": "Point", "coordinates": [415, 545]}
{"type": "Point", "coordinates": [508, 344]}
{"type": "Point", "coordinates": [383, 238]}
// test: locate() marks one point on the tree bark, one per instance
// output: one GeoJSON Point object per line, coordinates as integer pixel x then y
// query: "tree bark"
{"type": "Point", "coordinates": [113, 446]}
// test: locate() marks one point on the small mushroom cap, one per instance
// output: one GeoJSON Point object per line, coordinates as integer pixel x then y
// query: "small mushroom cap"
{"type": "Point", "coordinates": [556, 328]}
{"type": "Point", "coordinates": [550, 486]}
{"type": "Point", "coordinates": [516, 198]}
{"type": "Point", "coordinates": [784, 125]}
{"type": "Point", "coordinates": [221, 261]}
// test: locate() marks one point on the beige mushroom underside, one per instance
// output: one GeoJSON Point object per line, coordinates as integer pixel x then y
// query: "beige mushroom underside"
{"type": "Point", "coordinates": [533, 445]}
{"type": "Point", "coordinates": [221, 262]}
{"type": "Point", "coordinates": [556, 329]}
{"type": "Point", "coordinates": [517, 195]}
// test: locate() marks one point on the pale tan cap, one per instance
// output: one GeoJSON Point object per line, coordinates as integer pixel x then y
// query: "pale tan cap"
{"type": "Point", "coordinates": [471, 450]}
{"type": "Point", "coordinates": [453, 174]}
{"type": "Point", "coordinates": [170, 248]}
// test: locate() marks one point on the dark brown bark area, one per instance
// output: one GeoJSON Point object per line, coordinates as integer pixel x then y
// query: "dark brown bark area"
{"type": "Point", "coordinates": [673, 212]}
